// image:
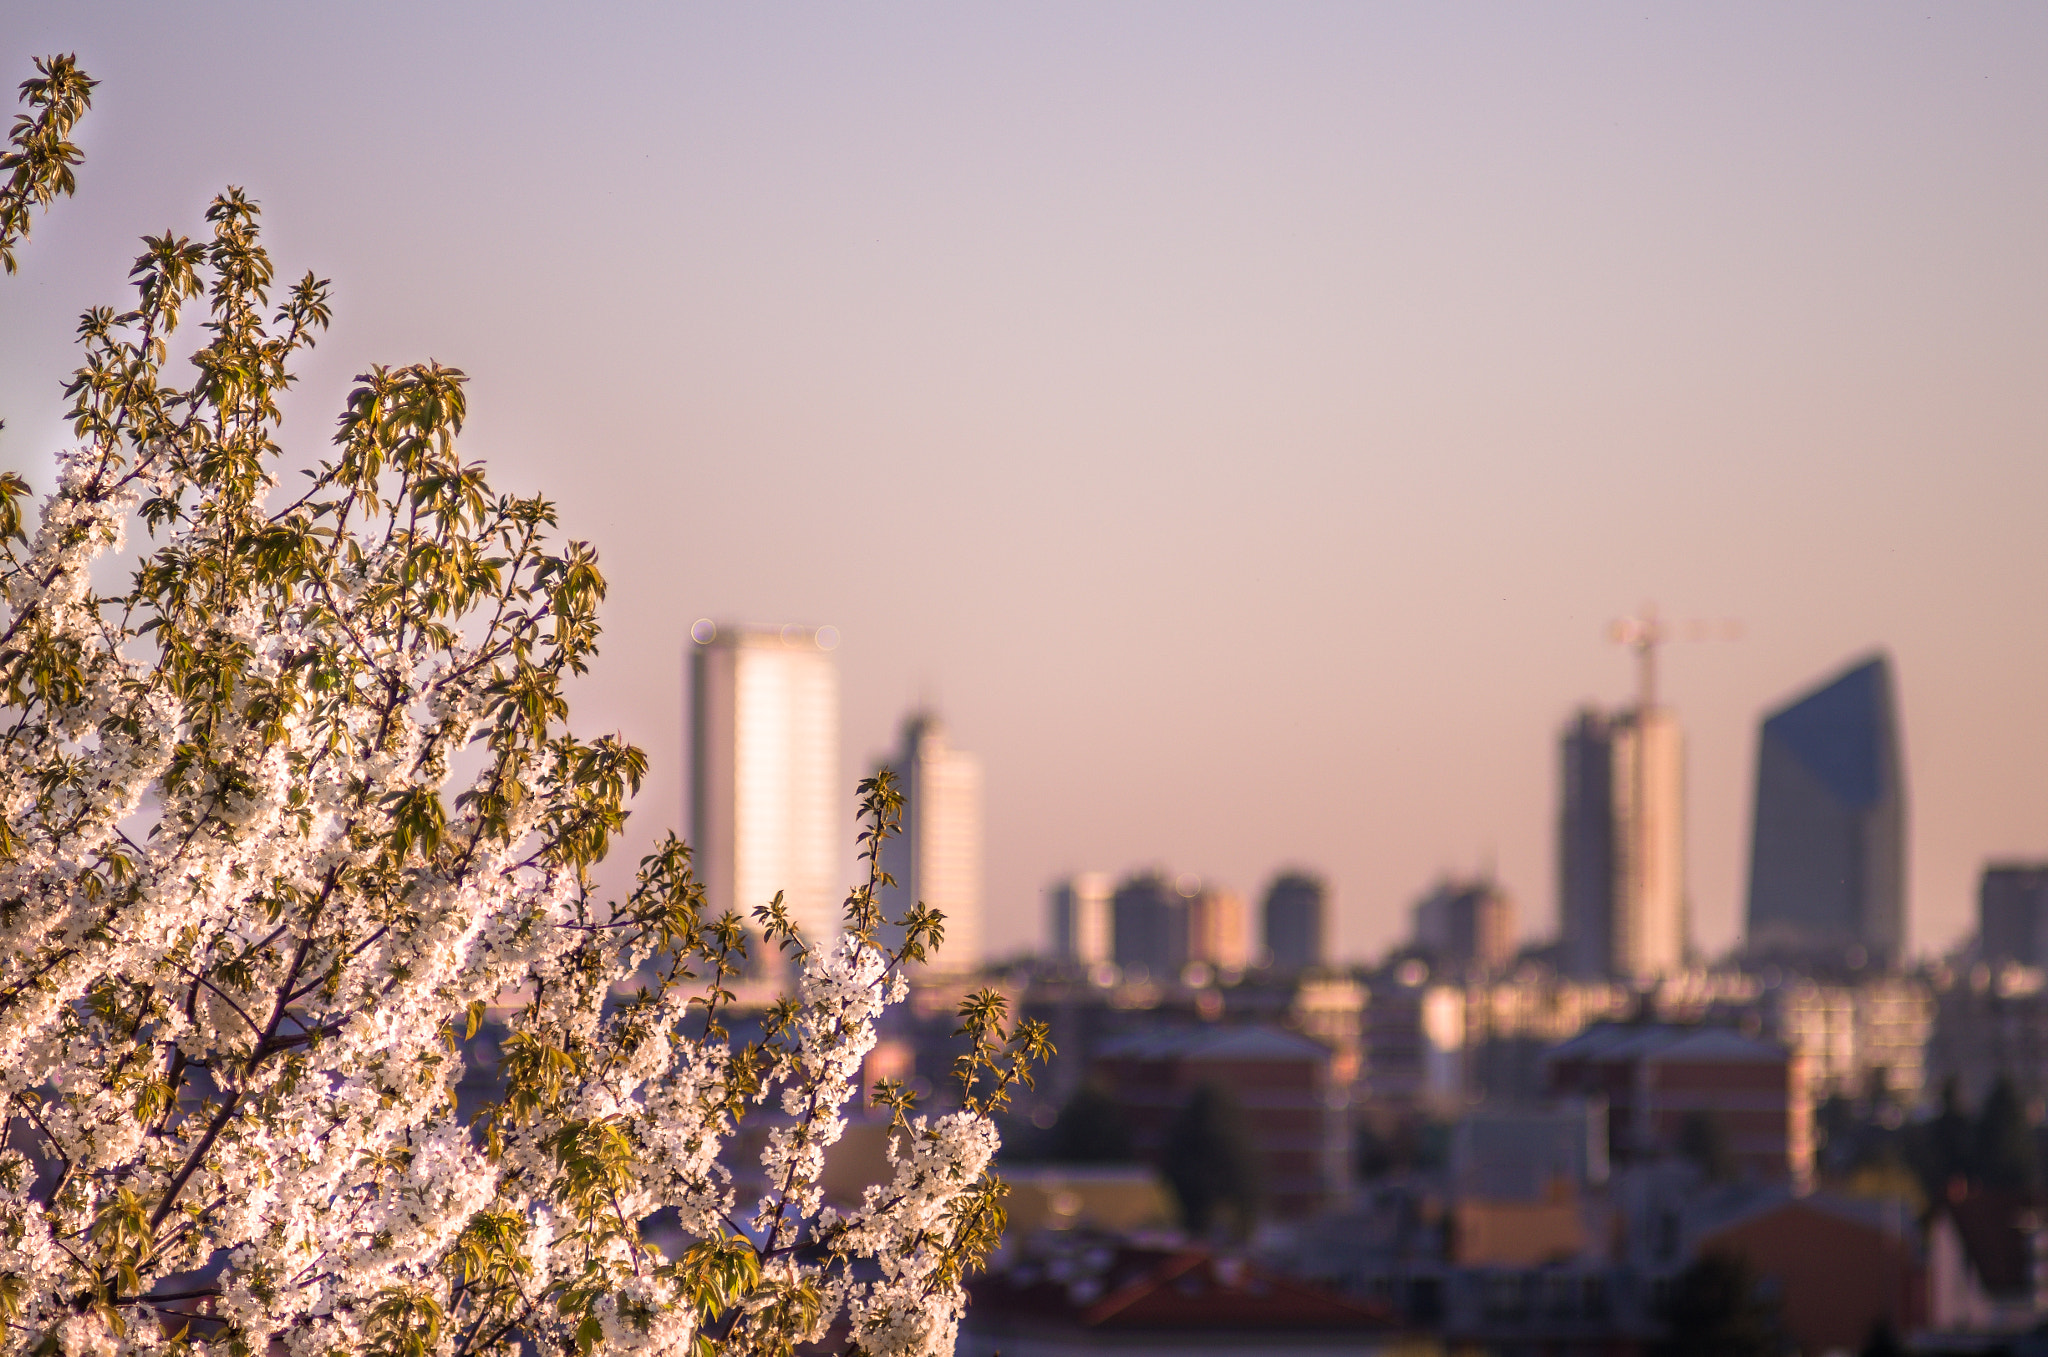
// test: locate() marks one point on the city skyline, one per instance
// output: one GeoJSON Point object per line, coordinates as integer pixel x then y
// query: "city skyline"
{"type": "Point", "coordinates": [1284, 404]}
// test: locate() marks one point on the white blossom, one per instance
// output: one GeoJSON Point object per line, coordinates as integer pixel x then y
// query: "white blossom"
{"type": "Point", "coordinates": [252, 919]}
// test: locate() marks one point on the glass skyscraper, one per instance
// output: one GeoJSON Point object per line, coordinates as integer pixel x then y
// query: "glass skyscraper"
{"type": "Point", "coordinates": [1827, 872]}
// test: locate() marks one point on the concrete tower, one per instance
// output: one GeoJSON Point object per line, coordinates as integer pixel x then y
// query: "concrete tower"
{"type": "Point", "coordinates": [1149, 927]}
{"type": "Point", "coordinates": [1621, 850]}
{"type": "Point", "coordinates": [1081, 928]}
{"type": "Point", "coordinates": [767, 812]}
{"type": "Point", "coordinates": [936, 860]}
{"type": "Point", "coordinates": [1295, 923]}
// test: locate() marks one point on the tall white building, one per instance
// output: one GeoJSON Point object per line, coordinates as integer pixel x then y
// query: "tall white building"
{"type": "Point", "coordinates": [1621, 854]}
{"type": "Point", "coordinates": [936, 860]}
{"type": "Point", "coordinates": [767, 812]}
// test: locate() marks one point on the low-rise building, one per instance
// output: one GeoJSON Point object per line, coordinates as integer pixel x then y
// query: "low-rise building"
{"type": "Point", "coordinates": [1986, 1270]}
{"type": "Point", "coordinates": [1414, 1041]}
{"type": "Point", "coordinates": [1990, 1022]}
{"type": "Point", "coordinates": [1836, 1267]}
{"type": "Point", "coordinates": [1295, 1112]}
{"type": "Point", "coordinates": [1854, 1038]}
{"type": "Point", "coordinates": [1058, 1296]}
{"type": "Point", "coordinates": [1656, 1077]}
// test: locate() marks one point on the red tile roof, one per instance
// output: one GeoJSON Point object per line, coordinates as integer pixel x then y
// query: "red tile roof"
{"type": "Point", "coordinates": [1162, 1289]}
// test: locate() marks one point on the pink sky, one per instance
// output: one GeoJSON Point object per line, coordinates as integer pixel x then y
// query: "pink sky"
{"type": "Point", "coordinates": [1242, 421]}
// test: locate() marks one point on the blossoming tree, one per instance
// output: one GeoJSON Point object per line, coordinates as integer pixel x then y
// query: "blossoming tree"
{"type": "Point", "coordinates": [285, 814]}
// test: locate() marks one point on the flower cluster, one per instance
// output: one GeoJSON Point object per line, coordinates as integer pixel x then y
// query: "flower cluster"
{"type": "Point", "coordinates": [289, 819]}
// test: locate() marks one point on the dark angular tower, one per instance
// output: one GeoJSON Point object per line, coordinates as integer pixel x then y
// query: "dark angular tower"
{"type": "Point", "coordinates": [1827, 867]}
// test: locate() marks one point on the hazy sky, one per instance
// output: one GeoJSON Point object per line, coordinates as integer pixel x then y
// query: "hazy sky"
{"type": "Point", "coordinates": [1242, 421]}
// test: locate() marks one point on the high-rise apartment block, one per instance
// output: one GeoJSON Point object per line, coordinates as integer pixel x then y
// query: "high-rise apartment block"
{"type": "Point", "coordinates": [1827, 863]}
{"type": "Point", "coordinates": [1217, 932]}
{"type": "Point", "coordinates": [2012, 914]}
{"type": "Point", "coordinates": [1081, 929]}
{"type": "Point", "coordinates": [936, 859]}
{"type": "Point", "coordinates": [1295, 928]}
{"type": "Point", "coordinates": [1467, 925]}
{"type": "Point", "coordinates": [765, 803]}
{"type": "Point", "coordinates": [1150, 926]}
{"type": "Point", "coordinates": [1621, 851]}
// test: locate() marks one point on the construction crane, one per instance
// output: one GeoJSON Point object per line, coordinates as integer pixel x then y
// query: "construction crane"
{"type": "Point", "coordinates": [1646, 631]}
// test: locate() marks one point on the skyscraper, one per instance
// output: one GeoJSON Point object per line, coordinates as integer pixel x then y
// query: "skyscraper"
{"type": "Point", "coordinates": [1296, 932]}
{"type": "Point", "coordinates": [936, 860]}
{"type": "Point", "coordinates": [1150, 924]}
{"type": "Point", "coordinates": [1827, 860]}
{"type": "Point", "coordinates": [1467, 924]}
{"type": "Point", "coordinates": [1621, 848]}
{"type": "Point", "coordinates": [1081, 926]}
{"type": "Point", "coordinates": [766, 810]}
{"type": "Point", "coordinates": [1217, 935]}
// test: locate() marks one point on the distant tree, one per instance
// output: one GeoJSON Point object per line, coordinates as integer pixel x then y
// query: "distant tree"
{"type": "Point", "coordinates": [1837, 1130]}
{"type": "Point", "coordinates": [1940, 1149]}
{"type": "Point", "coordinates": [1211, 1165]}
{"type": "Point", "coordinates": [1703, 1139]}
{"type": "Point", "coordinates": [1377, 1152]}
{"type": "Point", "coordinates": [2002, 1149]}
{"type": "Point", "coordinates": [1407, 1144]}
{"type": "Point", "coordinates": [1091, 1129]}
{"type": "Point", "coordinates": [1880, 1170]}
{"type": "Point", "coordinates": [1712, 1310]}
{"type": "Point", "coordinates": [1432, 1141]}
{"type": "Point", "coordinates": [1883, 1341]}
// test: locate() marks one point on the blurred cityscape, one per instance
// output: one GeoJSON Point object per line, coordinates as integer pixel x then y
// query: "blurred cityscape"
{"type": "Point", "coordinates": [1600, 1141]}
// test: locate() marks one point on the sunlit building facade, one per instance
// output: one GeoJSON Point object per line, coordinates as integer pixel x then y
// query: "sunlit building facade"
{"type": "Point", "coordinates": [1081, 928]}
{"type": "Point", "coordinates": [1217, 931]}
{"type": "Point", "coordinates": [766, 807]}
{"type": "Point", "coordinates": [937, 859]}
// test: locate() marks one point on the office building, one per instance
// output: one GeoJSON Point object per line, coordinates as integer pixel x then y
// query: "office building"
{"type": "Point", "coordinates": [767, 812]}
{"type": "Point", "coordinates": [1827, 873]}
{"type": "Point", "coordinates": [1295, 927]}
{"type": "Point", "coordinates": [1149, 922]}
{"type": "Point", "coordinates": [1081, 931]}
{"type": "Point", "coordinates": [1621, 852]}
{"type": "Point", "coordinates": [1865, 1040]}
{"type": "Point", "coordinates": [936, 859]}
{"type": "Point", "coordinates": [2012, 914]}
{"type": "Point", "coordinates": [1466, 926]}
{"type": "Point", "coordinates": [1218, 935]}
